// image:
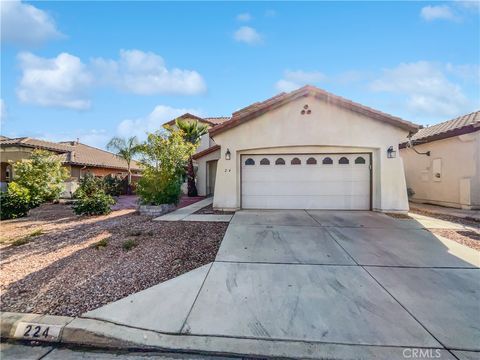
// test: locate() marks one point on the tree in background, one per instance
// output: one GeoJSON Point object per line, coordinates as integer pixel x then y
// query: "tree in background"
{"type": "Point", "coordinates": [165, 156]}
{"type": "Point", "coordinates": [126, 149]}
{"type": "Point", "coordinates": [192, 132]}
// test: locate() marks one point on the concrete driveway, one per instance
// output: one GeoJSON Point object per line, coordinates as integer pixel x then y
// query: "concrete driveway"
{"type": "Point", "coordinates": [358, 279]}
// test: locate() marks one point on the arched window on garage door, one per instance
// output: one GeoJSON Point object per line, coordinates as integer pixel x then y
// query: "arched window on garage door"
{"type": "Point", "coordinates": [311, 161]}
{"type": "Point", "coordinates": [360, 160]}
{"type": "Point", "coordinates": [264, 161]}
{"type": "Point", "coordinates": [327, 161]}
{"type": "Point", "coordinates": [249, 161]}
{"type": "Point", "coordinates": [295, 161]}
{"type": "Point", "coordinates": [279, 161]}
{"type": "Point", "coordinates": [343, 160]}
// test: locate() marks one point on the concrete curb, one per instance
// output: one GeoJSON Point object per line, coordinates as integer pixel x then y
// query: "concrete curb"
{"type": "Point", "coordinates": [101, 334]}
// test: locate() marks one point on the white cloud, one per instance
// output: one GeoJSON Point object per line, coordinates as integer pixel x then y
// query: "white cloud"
{"type": "Point", "coordinates": [248, 35]}
{"type": "Point", "coordinates": [152, 122]}
{"type": "Point", "coordinates": [425, 88]}
{"type": "Point", "coordinates": [62, 81]}
{"type": "Point", "coordinates": [467, 72]}
{"type": "Point", "coordinates": [24, 24]}
{"type": "Point", "coordinates": [145, 73]}
{"type": "Point", "coordinates": [245, 17]}
{"type": "Point", "coordinates": [437, 12]}
{"type": "Point", "coordinates": [3, 110]}
{"type": "Point", "coordinates": [293, 80]}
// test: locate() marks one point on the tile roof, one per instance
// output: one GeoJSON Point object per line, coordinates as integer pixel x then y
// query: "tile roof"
{"type": "Point", "coordinates": [260, 108]}
{"type": "Point", "coordinates": [212, 121]}
{"type": "Point", "coordinates": [74, 153]}
{"type": "Point", "coordinates": [461, 125]}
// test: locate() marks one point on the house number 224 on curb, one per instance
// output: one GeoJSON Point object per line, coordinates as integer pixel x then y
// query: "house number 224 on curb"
{"type": "Point", "coordinates": [40, 332]}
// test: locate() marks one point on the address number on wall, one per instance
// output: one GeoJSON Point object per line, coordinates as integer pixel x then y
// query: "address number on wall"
{"type": "Point", "coordinates": [39, 332]}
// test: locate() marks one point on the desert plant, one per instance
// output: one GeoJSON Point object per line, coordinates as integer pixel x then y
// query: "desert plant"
{"type": "Point", "coordinates": [43, 175]}
{"type": "Point", "coordinates": [96, 204]}
{"type": "Point", "coordinates": [88, 186]}
{"type": "Point", "coordinates": [126, 149]}
{"type": "Point", "coordinates": [165, 156]}
{"type": "Point", "coordinates": [192, 131]}
{"type": "Point", "coordinates": [129, 244]}
{"type": "Point", "coordinates": [15, 202]}
{"type": "Point", "coordinates": [26, 239]}
{"type": "Point", "coordinates": [100, 244]}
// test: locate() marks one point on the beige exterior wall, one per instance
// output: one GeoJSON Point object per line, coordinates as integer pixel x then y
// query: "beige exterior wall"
{"type": "Point", "coordinates": [328, 129]}
{"type": "Point", "coordinates": [202, 171]}
{"type": "Point", "coordinates": [459, 161]}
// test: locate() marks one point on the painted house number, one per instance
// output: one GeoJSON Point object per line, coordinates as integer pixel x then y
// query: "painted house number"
{"type": "Point", "coordinates": [39, 332]}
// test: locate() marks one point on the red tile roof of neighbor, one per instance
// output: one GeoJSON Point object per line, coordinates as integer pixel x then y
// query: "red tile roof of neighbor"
{"type": "Point", "coordinates": [212, 121]}
{"type": "Point", "coordinates": [460, 125]}
{"type": "Point", "coordinates": [259, 108]}
{"type": "Point", "coordinates": [74, 153]}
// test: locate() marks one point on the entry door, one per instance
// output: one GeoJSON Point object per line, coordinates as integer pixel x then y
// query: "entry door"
{"type": "Point", "coordinates": [311, 181]}
{"type": "Point", "coordinates": [211, 176]}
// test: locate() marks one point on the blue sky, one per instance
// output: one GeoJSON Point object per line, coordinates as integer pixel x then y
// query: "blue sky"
{"type": "Point", "coordinates": [97, 69]}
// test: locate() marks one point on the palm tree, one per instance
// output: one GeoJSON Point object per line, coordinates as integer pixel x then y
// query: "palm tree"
{"type": "Point", "coordinates": [192, 132]}
{"type": "Point", "coordinates": [126, 149]}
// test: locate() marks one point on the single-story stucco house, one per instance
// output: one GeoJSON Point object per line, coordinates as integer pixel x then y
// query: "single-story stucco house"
{"type": "Point", "coordinates": [78, 158]}
{"type": "Point", "coordinates": [307, 149]}
{"type": "Point", "coordinates": [450, 174]}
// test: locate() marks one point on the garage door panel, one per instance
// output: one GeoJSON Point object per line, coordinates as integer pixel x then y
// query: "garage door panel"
{"type": "Point", "coordinates": [265, 188]}
{"type": "Point", "coordinates": [308, 202]}
{"type": "Point", "coordinates": [297, 174]}
{"type": "Point", "coordinates": [306, 186]}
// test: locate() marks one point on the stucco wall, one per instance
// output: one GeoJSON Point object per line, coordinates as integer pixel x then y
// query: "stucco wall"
{"type": "Point", "coordinates": [459, 184]}
{"type": "Point", "coordinates": [328, 129]}
{"type": "Point", "coordinates": [202, 171]}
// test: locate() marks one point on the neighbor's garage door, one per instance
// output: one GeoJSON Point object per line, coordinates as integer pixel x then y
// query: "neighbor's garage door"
{"type": "Point", "coordinates": [316, 181]}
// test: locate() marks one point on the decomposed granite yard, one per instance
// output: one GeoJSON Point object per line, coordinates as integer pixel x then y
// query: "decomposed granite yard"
{"type": "Point", "coordinates": [54, 262]}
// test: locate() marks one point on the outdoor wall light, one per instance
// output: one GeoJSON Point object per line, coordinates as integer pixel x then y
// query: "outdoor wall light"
{"type": "Point", "coordinates": [228, 155]}
{"type": "Point", "coordinates": [391, 153]}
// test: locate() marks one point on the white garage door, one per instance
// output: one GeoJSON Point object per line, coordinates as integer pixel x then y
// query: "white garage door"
{"type": "Point", "coordinates": [312, 181]}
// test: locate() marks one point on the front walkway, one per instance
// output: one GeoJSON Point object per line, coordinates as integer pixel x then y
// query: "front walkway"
{"type": "Point", "coordinates": [313, 284]}
{"type": "Point", "coordinates": [187, 213]}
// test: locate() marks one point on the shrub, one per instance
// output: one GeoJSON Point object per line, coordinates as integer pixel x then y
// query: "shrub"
{"type": "Point", "coordinates": [26, 239]}
{"type": "Point", "coordinates": [42, 174]}
{"type": "Point", "coordinates": [165, 159]}
{"type": "Point", "coordinates": [88, 186]}
{"type": "Point", "coordinates": [96, 204]}
{"type": "Point", "coordinates": [129, 244]}
{"type": "Point", "coordinates": [15, 202]}
{"type": "Point", "coordinates": [154, 188]}
{"type": "Point", "coordinates": [113, 185]}
{"type": "Point", "coordinates": [100, 244]}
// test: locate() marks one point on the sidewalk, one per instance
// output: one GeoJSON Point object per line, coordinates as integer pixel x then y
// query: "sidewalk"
{"type": "Point", "coordinates": [442, 210]}
{"type": "Point", "coordinates": [187, 213]}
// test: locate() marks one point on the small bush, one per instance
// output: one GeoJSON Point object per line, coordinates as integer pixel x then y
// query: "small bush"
{"type": "Point", "coordinates": [129, 244]}
{"type": "Point", "coordinates": [135, 233]}
{"type": "Point", "coordinates": [96, 204]}
{"type": "Point", "coordinates": [89, 185]}
{"type": "Point", "coordinates": [113, 185]}
{"type": "Point", "coordinates": [154, 188]}
{"type": "Point", "coordinates": [100, 244]}
{"type": "Point", "coordinates": [22, 241]}
{"type": "Point", "coordinates": [26, 239]}
{"type": "Point", "coordinates": [15, 202]}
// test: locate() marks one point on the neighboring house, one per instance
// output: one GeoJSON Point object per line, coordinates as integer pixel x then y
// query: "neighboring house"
{"type": "Point", "coordinates": [307, 149]}
{"type": "Point", "coordinates": [450, 176]}
{"type": "Point", "coordinates": [78, 158]}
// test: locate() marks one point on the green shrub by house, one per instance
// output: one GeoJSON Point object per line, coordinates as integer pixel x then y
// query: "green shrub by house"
{"type": "Point", "coordinates": [15, 202]}
{"type": "Point", "coordinates": [91, 197]}
{"type": "Point", "coordinates": [165, 157]}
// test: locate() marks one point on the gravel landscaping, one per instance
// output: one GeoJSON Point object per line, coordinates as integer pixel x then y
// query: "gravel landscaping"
{"type": "Point", "coordinates": [64, 264]}
{"type": "Point", "coordinates": [470, 238]}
